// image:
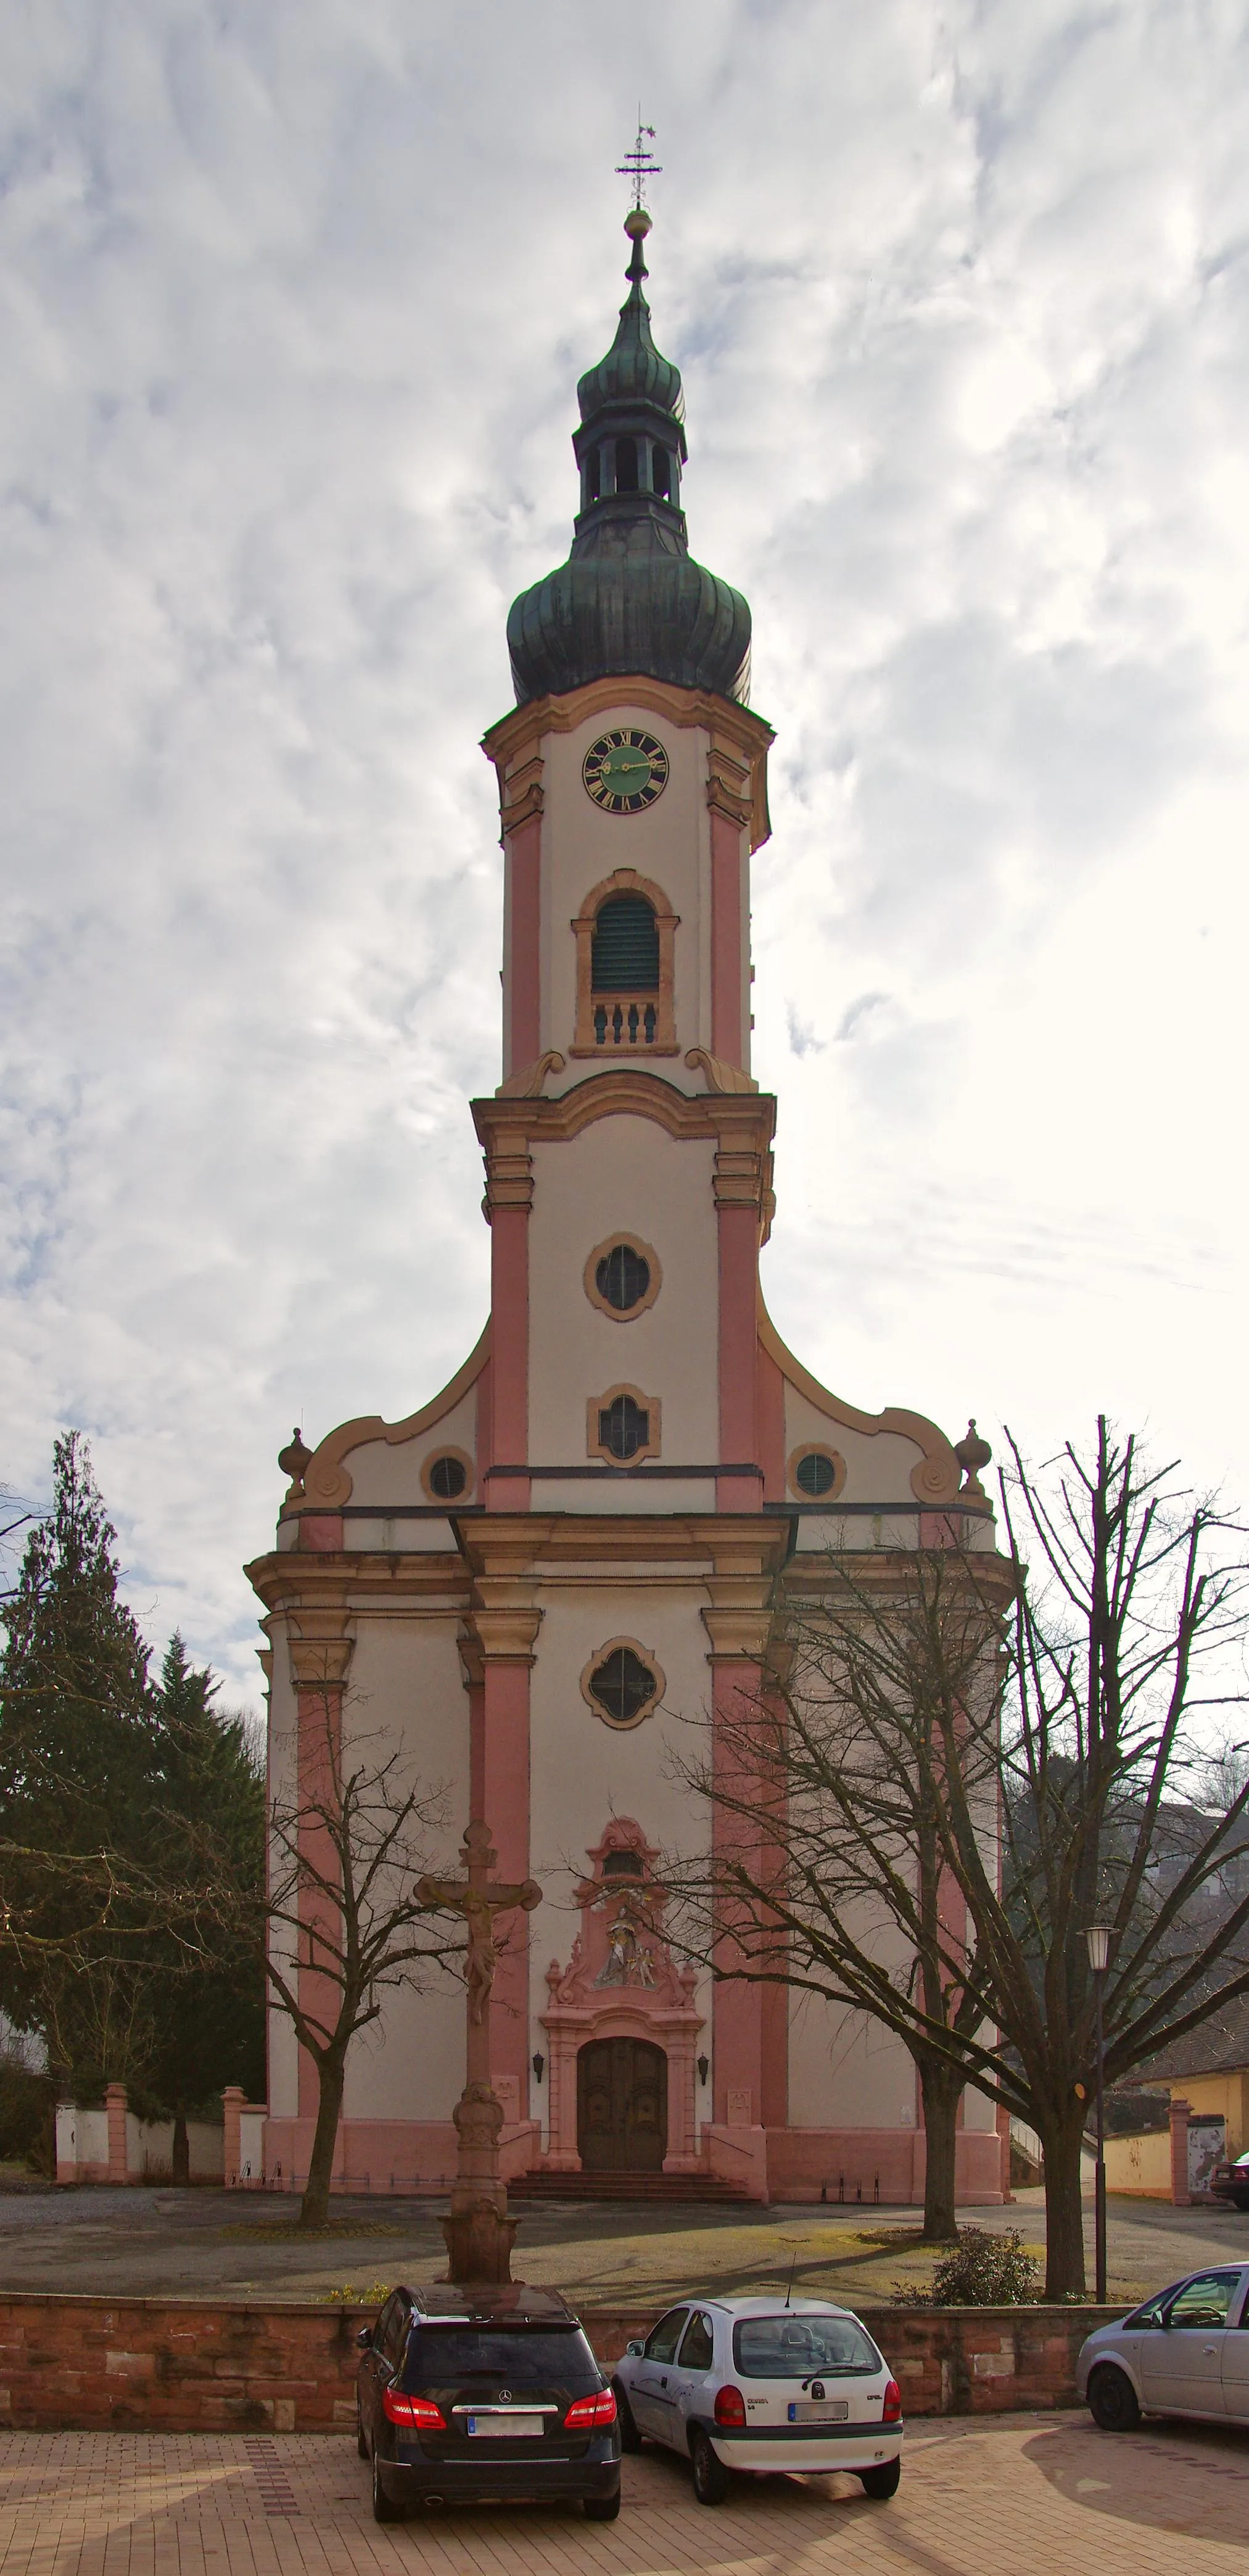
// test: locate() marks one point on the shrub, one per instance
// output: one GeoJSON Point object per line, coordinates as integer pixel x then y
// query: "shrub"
{"type": "Point", "coordinates": [980, 2272]}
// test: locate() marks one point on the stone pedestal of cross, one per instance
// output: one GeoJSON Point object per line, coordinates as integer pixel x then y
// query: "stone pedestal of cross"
{"type": "Point", "coordinates": [479, 2232]}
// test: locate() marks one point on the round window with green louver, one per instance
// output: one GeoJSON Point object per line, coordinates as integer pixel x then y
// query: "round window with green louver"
{"type": "Point", "coordinates": [625, 771]}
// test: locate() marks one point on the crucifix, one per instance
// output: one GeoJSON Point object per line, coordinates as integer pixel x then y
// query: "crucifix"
{"type": "Point", "coordinates": [479, 2232]}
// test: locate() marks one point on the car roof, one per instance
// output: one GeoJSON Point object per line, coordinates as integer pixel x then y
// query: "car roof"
{"type": "Point", "coordinates": [505, 2303]}
{"type": "Point", "coordinates": [775, 2306]}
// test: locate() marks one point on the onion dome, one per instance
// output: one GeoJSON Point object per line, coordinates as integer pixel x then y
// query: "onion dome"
{"type": "Point", "coordinates": [630, 597]}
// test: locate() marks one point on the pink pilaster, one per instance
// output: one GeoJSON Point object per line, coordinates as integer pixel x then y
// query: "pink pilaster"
{"type": "Point", "coordinates": [232, 2099]}
{"type": "Point", "coordinates": [728, 999]}
{"type": "Point", "coordinates": [522, 967]}
{"type": "Point", "coordinates": [509, 1360]}
{"type": "Point", "coordinates": [1181, 2196]}
{"type": "Point", "coordinates": [505, 1802]}
{"type": "Point", "coordinates": [738, 1226]}
{"type": "Point", "coordinates": [115, 2106]}
{"type": "Point", "coordinates": [738, 2014]}
{"type": "Point", "coordinates": [319, 1707]}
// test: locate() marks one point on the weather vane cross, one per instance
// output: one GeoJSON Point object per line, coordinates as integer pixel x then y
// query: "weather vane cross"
{"type": "Point", "coordinates": [638, 165]}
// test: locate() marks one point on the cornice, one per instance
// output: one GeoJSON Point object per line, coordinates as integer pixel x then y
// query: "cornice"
{"type": "Point", "coordinates": [299, 1586]}
{"type": "Point", "coordinates": [733, 1547]}
{"type": "Point", "coordinates": [741, 1124]}
{"type": "Point", "coordinates": [737, 764]}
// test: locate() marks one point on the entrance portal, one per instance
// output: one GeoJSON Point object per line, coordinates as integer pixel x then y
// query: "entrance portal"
{"type": "Point", "coordinates": [622, 2106]}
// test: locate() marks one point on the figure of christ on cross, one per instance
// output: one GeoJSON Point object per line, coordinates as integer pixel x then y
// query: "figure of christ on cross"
{"type": "Point", "coordinates": [479, 2232]}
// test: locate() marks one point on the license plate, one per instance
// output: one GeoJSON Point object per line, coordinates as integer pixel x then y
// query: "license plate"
{"type": "Point", "coordinates": [510, 2428]}
{"type": "Point", "coordinates": [820, 2410]}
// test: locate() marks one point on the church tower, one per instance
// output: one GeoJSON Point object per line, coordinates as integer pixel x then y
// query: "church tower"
{"type": "Point", "coordinates": [540, 1581]}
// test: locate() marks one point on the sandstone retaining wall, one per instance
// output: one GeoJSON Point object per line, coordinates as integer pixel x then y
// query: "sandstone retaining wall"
{"type": "Point", "coordinates": [191, 2365]}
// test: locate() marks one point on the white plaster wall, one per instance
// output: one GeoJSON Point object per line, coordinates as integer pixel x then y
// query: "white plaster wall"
{"type": "Point", "coordinates": [846, 2071]}
{"type": "Point", "coordinates": [878, 1465]}
{"type": "Point", "coordinates": [283, 2087]}
{"type": "Point", "coordinates": [584, 1772]}
{"type": "Point", "coordinates": [406, 1691]}
{"type": "Point", "coordinates": [384, 1471]}
{"type": "Point", "coordinates": [669, 843]}
{"type": "Point", "coordinates": [623, 1175]}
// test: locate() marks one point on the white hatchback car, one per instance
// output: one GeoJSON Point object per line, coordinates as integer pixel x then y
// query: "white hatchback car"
{"type": "Point", "coordinates": [764, 2385]}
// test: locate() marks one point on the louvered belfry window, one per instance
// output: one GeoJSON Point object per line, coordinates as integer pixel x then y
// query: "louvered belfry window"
{"type": "Point", "coordinates": [624, 956]}
{"type": "Point", "coordinates": [623, 1427]}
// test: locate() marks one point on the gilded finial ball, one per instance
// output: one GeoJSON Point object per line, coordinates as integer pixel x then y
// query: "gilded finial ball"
{"type": "Point", "coordinates": [637, 223]}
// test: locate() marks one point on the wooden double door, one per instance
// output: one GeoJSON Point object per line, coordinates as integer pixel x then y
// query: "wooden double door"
{"type": "Point", "coordinates": [622, 2106]}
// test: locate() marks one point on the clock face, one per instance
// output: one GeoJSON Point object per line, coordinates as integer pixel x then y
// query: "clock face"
{"type": "Point", "coordinates": [625, 770]}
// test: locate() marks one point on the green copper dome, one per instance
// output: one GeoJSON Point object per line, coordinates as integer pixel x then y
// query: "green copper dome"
{"type": "Point", "coordinates": [633, 369]}
{"type": "Point", "coordinates": [630, 597]}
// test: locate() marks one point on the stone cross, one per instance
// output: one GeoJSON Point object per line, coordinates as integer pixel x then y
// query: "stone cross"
{"type": "Point", "coordinates": [479, 2232]}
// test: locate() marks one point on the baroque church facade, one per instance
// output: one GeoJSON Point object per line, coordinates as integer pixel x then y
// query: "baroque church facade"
{"type": "Point", "coordinates": [536, 1582]}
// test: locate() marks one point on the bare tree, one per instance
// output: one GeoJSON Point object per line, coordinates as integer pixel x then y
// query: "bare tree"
{"type": "Point", "coordinates": [1128, 1650]}
{"type": "Point", "coordinates": [829, 1870]}
{"type": "Point", "coordinates": [857, 1798]}
{"type": "Point", "coordinates": [345, 1924]}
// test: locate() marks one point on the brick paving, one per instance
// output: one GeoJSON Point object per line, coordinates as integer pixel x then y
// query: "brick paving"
{"type": "Point", "coordinates": [1024, 2496]}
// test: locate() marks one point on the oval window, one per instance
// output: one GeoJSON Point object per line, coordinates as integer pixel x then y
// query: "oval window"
{"type": "Point", "coordinates": [447, 1479]}
{"type": "Point", "coordinates": [624, 1427]}
{"type": "Point", "coordinates": [622, 1278]}
{"type": "Point", "coordinates": [621, 1685]}
{"type": "Point", "coordinates": [815, 1474]}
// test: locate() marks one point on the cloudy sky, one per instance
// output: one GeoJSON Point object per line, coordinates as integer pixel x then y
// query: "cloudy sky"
{"type": "Point", "coordinates": [294, 296]}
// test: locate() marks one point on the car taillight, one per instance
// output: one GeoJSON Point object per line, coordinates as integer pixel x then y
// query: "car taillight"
{"type": "Point", "coordinates": [891, 2411]}
{"type": "Point", "coordinates": [419, 2414]}
{"type": "Point", "coordinates": [730, 2408]}
{"type": "Point", "coordinates": [585, 2412]}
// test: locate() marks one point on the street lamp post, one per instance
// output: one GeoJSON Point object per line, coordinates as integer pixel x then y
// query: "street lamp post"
{"type": "Point", "coordinates": [1098, 1937]}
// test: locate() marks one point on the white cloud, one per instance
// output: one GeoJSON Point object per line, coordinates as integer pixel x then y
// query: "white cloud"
{"type": "Point", "coordinates": [294, 299]}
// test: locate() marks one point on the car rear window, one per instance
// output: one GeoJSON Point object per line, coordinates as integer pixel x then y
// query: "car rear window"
{"type": "Point", "coordinates": [789, 2347]}
{"type": "Point", "coordinates": [509, 2356]}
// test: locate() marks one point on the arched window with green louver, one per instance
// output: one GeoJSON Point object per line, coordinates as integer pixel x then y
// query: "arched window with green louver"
{"type": "Point", "coordinates": [624, 955]}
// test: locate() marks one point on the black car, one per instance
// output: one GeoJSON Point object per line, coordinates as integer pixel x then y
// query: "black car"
{"type": "Point", "coordinates": [485, 2397]}
{"type": "Point", "coordinates": [1231, 2182]}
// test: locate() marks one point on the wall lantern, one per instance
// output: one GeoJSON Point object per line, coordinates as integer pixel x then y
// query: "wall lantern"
{"type": "Point", "coordinates": [538, 2064]}
{"type": "Point", "coordinates": [704, 2067]}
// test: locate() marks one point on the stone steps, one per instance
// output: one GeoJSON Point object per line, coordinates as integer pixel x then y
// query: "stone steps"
{"type": "Point", "coordinates": [662, 2188]}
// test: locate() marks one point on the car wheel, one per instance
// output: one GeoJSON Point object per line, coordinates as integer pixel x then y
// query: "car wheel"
{"type": "Point", "coordinates": [1240, 2200]}
{"type": "Point", "coordinates": [881, 2483]}
{"type": "Point", "coordinates": [630, 2438]}
{"type": "Point", "coordinates": [711, 2478]}
{"type": "Point", "coordinates": [1112, 2400]}
{"type": "Point", "coordinates": [361, 2445]}
{"type": "Point", "coordinates": [383, 2509]}
{"type": "Point", "coordinates": [602, 2508]}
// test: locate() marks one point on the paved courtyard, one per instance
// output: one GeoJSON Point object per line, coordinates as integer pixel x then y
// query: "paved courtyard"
{"type": "Point", "coordinates": [1023, 2496]}
{"type": "Point", "coordinates": [157, 2243]}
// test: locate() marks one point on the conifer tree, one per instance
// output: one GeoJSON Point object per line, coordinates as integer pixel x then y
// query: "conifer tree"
{"type": "Point", "coordinates": [78, 1748]}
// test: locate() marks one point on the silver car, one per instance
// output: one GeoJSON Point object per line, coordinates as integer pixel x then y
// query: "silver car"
{"type": "Point", "coordinates": [763, 2385]}
{"type": "Point", "coordinates": [1184, 2352]}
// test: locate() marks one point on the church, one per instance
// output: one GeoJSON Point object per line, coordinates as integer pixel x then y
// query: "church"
{"type": "Point", "coordinates": [541, 1578]}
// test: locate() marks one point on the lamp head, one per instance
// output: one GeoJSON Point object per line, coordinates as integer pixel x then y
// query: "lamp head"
{"type": "Point", "coordinates": [1098, 1937]}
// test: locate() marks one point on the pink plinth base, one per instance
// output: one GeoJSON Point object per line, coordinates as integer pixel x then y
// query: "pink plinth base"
{"type": "Point", "coordinates": [767, 2164]}
{"type": "Point", "coordinates": [852, 2164]}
